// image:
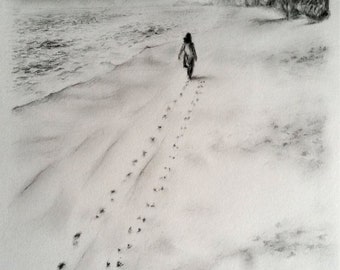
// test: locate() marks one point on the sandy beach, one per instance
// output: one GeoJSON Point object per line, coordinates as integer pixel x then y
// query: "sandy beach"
{"type": "Point", "coordinates": [140, 168]}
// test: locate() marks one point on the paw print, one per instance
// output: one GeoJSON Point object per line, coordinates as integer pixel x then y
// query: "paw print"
{"type": "Point", "coordinates": [76, 238]}
{"type": "Point", "coordinates": [61, 265]}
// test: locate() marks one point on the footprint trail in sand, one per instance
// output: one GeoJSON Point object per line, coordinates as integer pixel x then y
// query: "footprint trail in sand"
{"type": "Point", "coordinates": [184, 105]}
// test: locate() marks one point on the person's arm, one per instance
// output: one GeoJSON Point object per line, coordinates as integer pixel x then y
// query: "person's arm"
{"type": "Point", "coordinates": [194, 52]}
{"type": "Point", "coordinates": [181, 51]}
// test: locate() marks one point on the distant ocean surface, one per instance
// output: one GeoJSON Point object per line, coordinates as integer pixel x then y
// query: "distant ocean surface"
{"type": "Point", "coordinates": [55, 48]}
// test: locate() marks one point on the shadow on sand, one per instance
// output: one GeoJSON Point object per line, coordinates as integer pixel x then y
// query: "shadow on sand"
{"type": "Point", "coordinates": [268, 21]}
{"type": "Point", "coordinates": [195, 78]}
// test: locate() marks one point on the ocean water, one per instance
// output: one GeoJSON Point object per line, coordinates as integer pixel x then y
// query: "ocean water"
{"type": "Point", "coordinates": [57, 47]}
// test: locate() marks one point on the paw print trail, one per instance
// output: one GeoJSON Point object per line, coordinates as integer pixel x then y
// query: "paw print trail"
{"type": "Point", "coordinates": [174, 147]}
{"type": "Point", "coordinates": [151, 204]}
{"type": "Point", "coordinates": [156, 142]}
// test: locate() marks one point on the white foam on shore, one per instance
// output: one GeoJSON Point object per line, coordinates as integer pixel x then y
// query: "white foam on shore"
{"type": "Point", "coordinates": [54, 48]}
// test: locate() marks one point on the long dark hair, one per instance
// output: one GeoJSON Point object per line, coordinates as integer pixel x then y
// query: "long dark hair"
{"type": "Point", "coordinates": [187, 38]}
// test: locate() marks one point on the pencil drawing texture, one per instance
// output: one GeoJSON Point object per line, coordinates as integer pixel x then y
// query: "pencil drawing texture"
{"type": "Point", "coordinates": [171, 135]}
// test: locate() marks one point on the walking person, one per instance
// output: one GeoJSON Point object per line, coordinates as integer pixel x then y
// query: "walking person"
{"type": "Point", "coordinates": [190, 56]}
